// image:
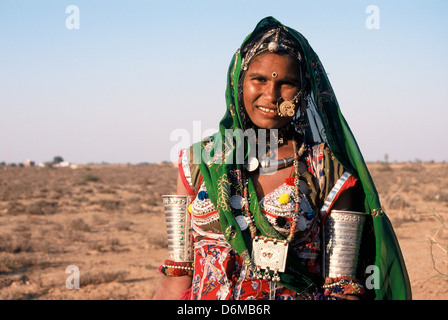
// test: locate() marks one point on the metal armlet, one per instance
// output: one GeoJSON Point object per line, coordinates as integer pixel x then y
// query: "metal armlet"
{"type": "Point", "coordinates": [178, 227]}
{"type": "Point", "coordinates": [341, 235]}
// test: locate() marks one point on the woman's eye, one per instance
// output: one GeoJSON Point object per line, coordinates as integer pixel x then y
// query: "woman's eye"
{"type": "Point", "coordinates": [290, 84]}
{"type": "Point", "coordinates": [259, 79]}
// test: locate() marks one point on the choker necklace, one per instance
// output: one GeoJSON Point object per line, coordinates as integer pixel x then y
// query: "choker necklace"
{"type": "Point", "coordinates": [279, 164]}
{"type": "Point", "coordinates": [253, 163]}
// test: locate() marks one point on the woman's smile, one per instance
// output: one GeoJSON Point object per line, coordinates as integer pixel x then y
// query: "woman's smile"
{"type": "Point", "coordinates": [268, 111]}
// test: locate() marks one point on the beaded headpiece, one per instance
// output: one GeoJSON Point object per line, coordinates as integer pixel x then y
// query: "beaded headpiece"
{"type": "Point", "coordinates": [275, 41]}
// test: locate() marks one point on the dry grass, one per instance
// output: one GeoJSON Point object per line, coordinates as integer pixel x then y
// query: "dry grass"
{"type": "Point", "coordinates": [439, 241]}
{"type": "Point", "coordinates": [108, 220]}
{"type": "Point", "coordinates": [96, 217]}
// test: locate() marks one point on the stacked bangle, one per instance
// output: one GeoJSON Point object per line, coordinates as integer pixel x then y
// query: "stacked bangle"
{"type": "Point", "coordinates": [343, 285]}
{"type": "Point", "coordinates": [172, 268]}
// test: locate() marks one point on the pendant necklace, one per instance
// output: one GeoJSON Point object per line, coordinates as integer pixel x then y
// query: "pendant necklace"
{"type": "Point", "coordinates": [269, 254]}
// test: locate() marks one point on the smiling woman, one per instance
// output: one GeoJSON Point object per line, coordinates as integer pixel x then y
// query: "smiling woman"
{"type": "Point", "coordinates": [311, 225]}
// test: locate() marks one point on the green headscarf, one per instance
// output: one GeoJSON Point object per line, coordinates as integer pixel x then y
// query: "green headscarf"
{"type": "Point", "coordinates": [327, 124]}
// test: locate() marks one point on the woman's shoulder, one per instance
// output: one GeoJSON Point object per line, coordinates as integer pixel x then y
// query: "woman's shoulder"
{"type": "Point", "coordinates": [189, 162]}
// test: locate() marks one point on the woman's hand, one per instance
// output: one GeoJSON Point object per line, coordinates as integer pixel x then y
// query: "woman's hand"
{"type": "Point", "coordinates": [172, 288]}
{"type": "Point", "coordinates": [345, 296]}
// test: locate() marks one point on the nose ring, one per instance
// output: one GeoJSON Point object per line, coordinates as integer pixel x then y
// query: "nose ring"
{"type": "Point", "coordinates": [286, 108]}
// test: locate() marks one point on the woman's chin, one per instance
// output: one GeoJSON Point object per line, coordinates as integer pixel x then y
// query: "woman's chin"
{"type": "Point", "coordinates": [272, 124]}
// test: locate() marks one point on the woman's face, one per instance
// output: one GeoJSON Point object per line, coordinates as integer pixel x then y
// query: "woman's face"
{"type": "Point", "coordinates": [269, 77]}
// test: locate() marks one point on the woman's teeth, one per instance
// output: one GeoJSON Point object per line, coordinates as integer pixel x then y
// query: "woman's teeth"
{"type": "Point", "coordinates": [267, 110]}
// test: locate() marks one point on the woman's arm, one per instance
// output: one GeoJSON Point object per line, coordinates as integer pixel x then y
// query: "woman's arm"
{"type": "Point", "coordinates": [351, 200]}
{"type": "Point", "coordinates": [172, 288]}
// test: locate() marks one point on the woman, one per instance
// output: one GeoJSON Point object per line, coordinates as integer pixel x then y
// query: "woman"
{"type": "Point", "coordinates": [263, 187]}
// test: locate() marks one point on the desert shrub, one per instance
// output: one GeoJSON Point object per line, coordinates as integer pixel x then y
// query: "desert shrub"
{"type": "Point", "coordinates": [110, 204]}
{"type": "Point", "coordinates": [114, 243]}
{"type": "Point", "coordinates": [73, 236]}
{"type": "Point", "coordinates": [397, 202]}
{"type": "Point", "coordinates": [11, 262]}
{"type": "Point", "coordinates": [385, 166]}
{"type": "Point", "coordinates": [42, 208]}
{"type": "Point", "coordinates": [15, 208]}
{"type": "Point", "coordinates": [90, 178]}
{"type": "Point", "coordinates": [79, 225]}
{"type": "Point", "coordinates": [99, 220]}
{"type": "Point", "coordinates": [437, 242]}
{"type": "Point", "coordinates": [123, 225]}
{"type": "Point", "coordinates": [95, 245]}
{"type": "Point", "coordinates": [15, 244]}
{"type": "Point", "coordinates": [101, 277]}
{"type": "Point", "coordinates": [157, 241]}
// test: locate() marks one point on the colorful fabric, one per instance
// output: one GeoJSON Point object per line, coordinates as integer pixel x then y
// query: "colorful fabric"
{"type": "Point", "coordinates": [328, 125]}
{"type": "Point", "coordinates": [220, 275]}
{"type": "Point", "coordinates": [220, 272]}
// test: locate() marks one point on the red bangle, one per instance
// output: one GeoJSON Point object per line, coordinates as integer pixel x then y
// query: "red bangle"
{"type": "Point", "coordinates": [176, 269]}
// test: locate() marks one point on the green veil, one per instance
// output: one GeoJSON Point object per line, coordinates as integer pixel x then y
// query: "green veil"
{"type": "Point", "coordinates": [389, 279]}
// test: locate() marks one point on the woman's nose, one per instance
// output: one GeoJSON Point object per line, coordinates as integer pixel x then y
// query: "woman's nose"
{"type": "Point", "coordinates": [272, 93]}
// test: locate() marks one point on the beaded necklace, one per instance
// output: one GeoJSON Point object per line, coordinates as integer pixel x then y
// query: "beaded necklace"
{"type": "Point", "coordinates": [263, 247]}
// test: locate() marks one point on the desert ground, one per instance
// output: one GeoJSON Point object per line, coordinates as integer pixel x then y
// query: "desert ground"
{"type": "Point", "coordinates": [107, 223]}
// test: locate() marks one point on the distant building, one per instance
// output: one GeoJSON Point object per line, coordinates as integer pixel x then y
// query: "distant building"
{"type": "Point", "coordinates": [29, 163]}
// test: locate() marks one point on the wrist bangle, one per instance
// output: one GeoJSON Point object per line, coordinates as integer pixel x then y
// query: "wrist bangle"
{"type": "Point", "coordinates": [343, 285]}
{"type": "Point", "coordinates": [172, 268]}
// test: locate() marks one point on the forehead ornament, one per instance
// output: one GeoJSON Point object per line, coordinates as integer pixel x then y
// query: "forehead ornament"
{"type": "Point", "coordinates": [274, 74]}
{"type": "Point", "coordinates": [273, 47]}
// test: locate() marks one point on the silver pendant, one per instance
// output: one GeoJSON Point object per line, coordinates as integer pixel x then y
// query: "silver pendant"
{"type": "Point", "coordinates": [303, 186]}
{"type": "Point", "coordinates": [301, 223]}
{"type": "Point", "coordinates": [270, 255]}
{"type": "Point", "coordinates": [236, 201]}
{"type": "Point", "coordinates": [305, 205]}
{"type": "Point", "coordinates": [302, 168]}
{"type": "Point", "coordinates": [241, 222]}
{"type": "Point", "coordinates": [251, 164]}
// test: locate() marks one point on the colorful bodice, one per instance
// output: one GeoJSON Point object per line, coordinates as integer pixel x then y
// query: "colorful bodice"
{"type": "Point", "coordinates": [277, 206]}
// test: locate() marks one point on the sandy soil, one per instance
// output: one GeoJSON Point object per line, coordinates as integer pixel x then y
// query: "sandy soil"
{"type": "Point", "coordinates": [107, 220]}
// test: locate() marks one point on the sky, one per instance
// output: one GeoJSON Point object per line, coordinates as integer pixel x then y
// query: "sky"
{"type": "Point", "coordinates": [134, 81]}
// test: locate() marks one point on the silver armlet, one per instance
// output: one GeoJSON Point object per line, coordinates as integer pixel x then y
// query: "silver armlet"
{"type": "Point", "coordinates": [342, 235]}
{"type": "Point", "coordinates": [178, 227]}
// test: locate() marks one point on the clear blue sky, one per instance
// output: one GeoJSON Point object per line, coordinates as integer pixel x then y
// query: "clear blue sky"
{"type": "Point", "coordinates": [136, 73]}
